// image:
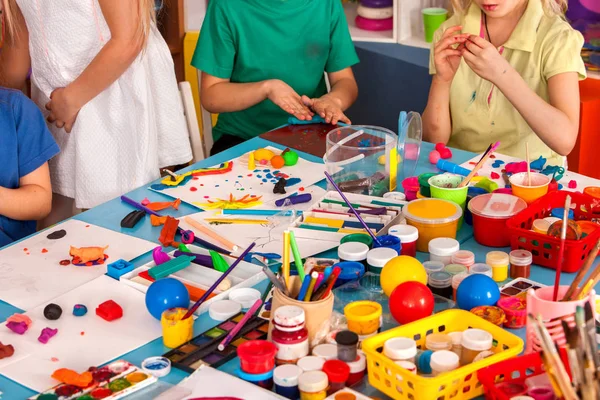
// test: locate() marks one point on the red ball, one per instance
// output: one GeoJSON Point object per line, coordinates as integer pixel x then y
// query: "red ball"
{"type": "Point", "coordinates": [411, 301]}
{"type": "Point", "coordinates": [440, 146]}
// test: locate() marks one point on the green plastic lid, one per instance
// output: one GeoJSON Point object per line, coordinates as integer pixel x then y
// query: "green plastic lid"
{"type": "Point", "coordinates": [358, 237]}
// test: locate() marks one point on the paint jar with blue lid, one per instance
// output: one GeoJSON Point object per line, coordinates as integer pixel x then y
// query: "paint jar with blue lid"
{"type": "Point", "coordinates": [351, 271]}
{"type": "Point", "coordinates": [559, 213]}
{"type": "Point", "coordinates": [389, 241]}
{"type": "Point", "coordinates": [285, 378]}
{"type": "Point", "coordinates": [265, 380]}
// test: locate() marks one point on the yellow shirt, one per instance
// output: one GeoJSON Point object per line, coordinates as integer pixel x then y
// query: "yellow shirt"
{"type": "Point", "coordinates": [540, 47]}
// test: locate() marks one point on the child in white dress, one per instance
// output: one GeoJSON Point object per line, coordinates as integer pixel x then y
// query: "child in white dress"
{"type": "Point", "coordinates": [105, 77]}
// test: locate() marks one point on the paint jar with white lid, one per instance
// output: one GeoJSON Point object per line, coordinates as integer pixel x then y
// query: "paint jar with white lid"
{"type": "Point", "coordinates": [474, 341]}
{"type": "Point", "coordinates": [378, 257]}
{"type": "Point", "coordinates": [443, 361]}
{"type": "Point", "coordinates": [354, 251]}
{"type": "Point", "coordinates": [442, 249]}
{"type": "Point", "coordinates": [400, 349]}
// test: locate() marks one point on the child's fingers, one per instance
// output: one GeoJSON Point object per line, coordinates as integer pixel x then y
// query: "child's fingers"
{"type": "Point", "coordinates": [473, 48]}
{"type": "Point", "coordinates": [447, 42]}
{"type": "Point", "coordinates": [307, 101]}
{"type": "Point", "coordinates": [51, 118]}
{"type": "Point", "coordinates": [453, 29]}
{"type": "Point", "coordinates": [60, 124]}
{"type": "Point", "coordinates": [479, 41]}
{"type": "Point", "coordinates": [450, 52]}
{"type": "Point", "coordinates": [48, 106]}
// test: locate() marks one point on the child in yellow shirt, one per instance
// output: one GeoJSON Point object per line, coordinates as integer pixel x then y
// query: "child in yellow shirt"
{"type": "Point", "coordinates": [508, 71]}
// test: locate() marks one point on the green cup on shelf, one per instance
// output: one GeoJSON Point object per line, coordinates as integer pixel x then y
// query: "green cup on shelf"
{"type": "Point", "coordinates": [432, 19]}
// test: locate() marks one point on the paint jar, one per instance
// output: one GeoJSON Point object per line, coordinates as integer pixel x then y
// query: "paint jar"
{"type": "Point", "coordinates": [438, 341]}
{"type": "Point", "coordinates": [474, 341]}
{"type": "Point", "coordinates": [529, 193]}
{"type": "Point", "coordinates": [442, 249]}
{"type": "Point", "coordinates": [456, 342]}
{"type": "Point", "coordinates": [434, 218]}
{"type": "Point", "coordinates": [520, 263]}
{"type": "Point", "coordinates": [463, 257]}
{"type": "Point", "coordinates": [326, 351]}
{"type": "Point", "coordinates": [337, 373]}
{"type": "Point", "coordinates": [285, 378]}
{"type": "Point", "coordinates": [455, 269]}
{"type": "Point", "coordinates": [490, 214]}
{"type": "Point", "coordinates": [257, 356]}
{"type": "Point", "coordinates": [264, 380]}
{"type": "Point", "coordinates": [377, 258]}
{"type": "Point", "coordinates": [515, 309]}
{"type": "Point", "coordinates": [363, 317]}
{"type": "Point", "coordinates": [540, 226]}
{"type": "Point", "coordinates": [390, 242]}
{"type": "Point", "coordinates": [353, 251]}
{"type": "Point", "coordinates": [351, 271]}
{"type": "Point", "coordinates": [347, 345]}
{"type": "Point", "coordinates": [289, 334]}
{"type": "Point", "coordinates": [400, 349]}
{"type": "Point", "coordinates": [499, 261]}
{"type": "Point", "coordinates": [541, 393]}
{"type": "Point", "coordinates": [559, 212]}
{"type": "Point", "coordinates": [408, 236]}
{"type": "Point", "coordinates": [440, 283]}
{"type": "Point", "coordinates": [447, 187]}
{"type": "Point", "coordinates": [443, 361]}
{"type": "Point", "coordinates": [176, 331]}
{"type": "Point", "coordinates": [433, 266]}
{"type": "Point", "coordinates": [313, 385]}
{"type": "Point", "coordinates": [491, 314]}
{"type": "Point", "coordinates": [407, 365]}
{"type": "Point", "coordinates": [311, 363]}
{"type": "Point", "coordinates": [424, 187]}
{"type": "Point", "coordinates": [456, 280]}
{"type": "Point", "coordinates": [357, 369]}
{"type": "Point", "coordinates": [481, 268]}
{"type": "Point", "coordinates": [364, 238]}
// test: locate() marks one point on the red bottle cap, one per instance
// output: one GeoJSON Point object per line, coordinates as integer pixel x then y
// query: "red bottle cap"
{"type": "Point", "coordinates": [336, 370]}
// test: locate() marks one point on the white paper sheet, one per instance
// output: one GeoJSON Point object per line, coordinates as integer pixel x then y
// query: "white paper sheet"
{"type": "Point", "coordinates": [33, 276]}
{"type": "Point", "coordinates": [81, 342]}
{"type": "Point", "coordinates": [241, 181]}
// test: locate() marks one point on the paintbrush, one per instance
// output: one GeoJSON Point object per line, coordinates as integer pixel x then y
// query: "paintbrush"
{"type": "Point", "coordinates": [590, 327]}
{"type": "Point", "coordinates": [356, 214]}
{"type": "Point", "coordinates": [589, 285]}
{"type": "Point", "coordinates": [588, 356]}
{"type": "Point", "coordinates": [574, 288]}
{"type": "Point", "coordinates": [528, 166]}
{"type": "Point", "coordinates": [479, 165]}
{"type": "Point", "coordinates": [561, 250]}
{"type": "Point", "coordinates": [218, 282]}
{"type": "Point", "coordinates": [573, 355]}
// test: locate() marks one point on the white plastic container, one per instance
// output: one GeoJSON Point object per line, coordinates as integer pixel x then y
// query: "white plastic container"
{"type": "Point", "coordinates": [442, 249]}
{"type": "Point", "coordinates": [481, 268]}
{"type": "Point", "coordinates": [378, 257]}
{"type": "Point", "coordinates": [400, 349]}
{"type": "Point", "coordinates": [326, 351]}
{"type": "Point", "coordinates": [353, 251]}
{"type": "Point", "coordinates": [222, 310]}
{"type": "Point", "coordinates": [311, 363]}
{"type": "Point", "coordinates": [433, 266]}
{"type": "Point", "coordinates": [443, 361]}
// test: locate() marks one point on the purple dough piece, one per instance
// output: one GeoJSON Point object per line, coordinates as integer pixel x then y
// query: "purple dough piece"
{"type": "Point", "coordinates": [201, 259]}
{"type": "Point", "coordinates": [159, 256]}
{"type": "Point", "coordinates": [301, 198]}
{"type": "Point", "coordinates": [377, 3]}
{"type": "Point", "coordinates": [17, 327]}
{"type": "Point", "coordinates": [46, 334]}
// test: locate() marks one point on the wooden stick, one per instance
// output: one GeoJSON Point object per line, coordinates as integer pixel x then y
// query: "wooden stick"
{"type": "Point", "coordinates": [210, 233]}
{"type": "Point", "coordinates": [285, 268]}
{"type": "Point", "coordinates": [480, 164]}
{"type": "Point", "coordinates": [587, 288]}
{"type": "Point", "coordinates": [528, 166]}
{"type": "Point", "coordinates": [561, 251]}
{"type": "Point", "coordinates": [589, 261]}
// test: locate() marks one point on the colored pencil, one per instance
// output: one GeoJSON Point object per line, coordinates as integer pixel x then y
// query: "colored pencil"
{"type": "Point", "coordinates": [357, 215]}
{"type": "Point", "coordinates": [303, 288]}
{"type": "Point", "coordinates": [589, 261]}
{"type": "Point", "coordinates": [311, 287]}
{"type": "Point", "coordinates": [210, 233]}
{"type": "Point", "coordinates": [319, 281]}
{"type": "Point", "coordinates": [238, 221]}
{"type": "Point", "coordinates": [323, 292]}
{"type": "Point", "coordinates": [297, 259]}
{"type": "Point", "coordinates": [326, 273]}
{"type": "Point", "coordinates": [561, 249]}
{"type": "Point", "coordinates": [218, 282]}
{"type": "Point", "coordinates": [285, 269]}
{"type": "Point", "coordinates": [262, 213]}
{"type": "Point", "coordinates": [240, 325]}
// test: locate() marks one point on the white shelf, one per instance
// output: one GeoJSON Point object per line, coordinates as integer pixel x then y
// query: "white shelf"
{"type": "Point", "coordinates": [415, 41]}
{"type": "Point", "coordinates": [361, 35]}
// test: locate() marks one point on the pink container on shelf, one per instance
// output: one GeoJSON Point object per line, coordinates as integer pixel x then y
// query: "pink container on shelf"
{"type": "Point", "coordinates": [539, 302]}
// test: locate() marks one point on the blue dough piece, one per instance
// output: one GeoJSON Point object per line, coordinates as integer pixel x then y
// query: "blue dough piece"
{"type": "Point", "coordinates": [497, 164]}
{"type": "Point", "coordinates": [79, 310]}
{"type": "Point", "coordinates": [538, 164]}
{"type": "Point", "coordinates": [118, 268]}
{"type": "Point", "coordinates": [316, 119]}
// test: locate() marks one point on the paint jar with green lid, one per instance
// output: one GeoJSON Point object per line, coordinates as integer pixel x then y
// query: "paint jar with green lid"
{"type": "Point", "coordinates": [424, 187]}
{"type": "Point", "coordinates": [358, 237]}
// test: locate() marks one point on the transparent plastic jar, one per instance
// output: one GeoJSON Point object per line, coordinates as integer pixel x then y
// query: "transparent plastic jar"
{"type": "Point", "coordinates": [463, 257]}
{"type": "Point", "coordinates": [442, 249]}
{"type": "Point", "coordinates": [438, 342]}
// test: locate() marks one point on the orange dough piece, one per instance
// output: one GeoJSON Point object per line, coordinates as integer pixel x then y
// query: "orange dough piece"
{"type": "Point", "coordinates": [161, 205]}
{"type": "Point", "coordinates": [157, 221]}
{"type": "Point", "coordinates": [277, 162]}
{"type": "Point", "coordinates": [87, 254]}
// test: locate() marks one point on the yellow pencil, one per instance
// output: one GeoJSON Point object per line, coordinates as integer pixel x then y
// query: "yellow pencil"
{"type": "Point", "coordinates": [238, 221]}
{"type": "Point", "coordinates": [285, 269]}
{"type": "Point", "coordinates": [311, 286]}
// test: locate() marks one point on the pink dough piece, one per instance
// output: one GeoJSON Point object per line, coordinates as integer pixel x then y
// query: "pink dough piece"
{"type": "Point", "coordinates": [516, 167]}
{"type": "Point", "coordinates": [145, 202]}
{"type": "Point", "coordinates": [46, 334]}
{"type": "Point", "coordinates": [494, 175]}
{"type": "Point", "coordinates": [17, 327]}
{"type": "Point", "coordinates": [572, 184]}
{"type": "Point", "coordinates": [434, 157]}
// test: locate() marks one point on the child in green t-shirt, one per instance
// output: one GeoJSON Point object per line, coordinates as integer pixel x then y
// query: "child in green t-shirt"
{"type": "Point", "coordinates": [262, 60]}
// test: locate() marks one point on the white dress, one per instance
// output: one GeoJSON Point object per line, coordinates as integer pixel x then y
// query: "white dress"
{"type": "Point", "coordinates": [123, 136]}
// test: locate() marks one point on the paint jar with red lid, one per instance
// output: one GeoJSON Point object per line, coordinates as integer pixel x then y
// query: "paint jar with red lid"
{"type": "Point", "coordinates": [257, 356]}
{"type": "Point", "coordinates": [408, 236]}
{"type": "Point", "coordinates": [337, 372]}
{"type": "Point", "coordinates": [490, 213]}
{"type": "Point", "coordinates": [289, 334]}
{"type": "Point", "coordinates": [357, 369]}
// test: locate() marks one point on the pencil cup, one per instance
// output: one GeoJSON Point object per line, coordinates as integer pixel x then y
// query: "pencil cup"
{"type": "Point", "coordinates": [316, 312]}
{"type": "Point", "coordinates": [175, 330]}
{"type": "Point", "coordinates": [445, 187]}
{"type": "Point", "coordinates": [539, 302]}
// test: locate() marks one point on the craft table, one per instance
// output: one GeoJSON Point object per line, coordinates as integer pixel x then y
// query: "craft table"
{"type": "Point", "coordinates": [109, 215]}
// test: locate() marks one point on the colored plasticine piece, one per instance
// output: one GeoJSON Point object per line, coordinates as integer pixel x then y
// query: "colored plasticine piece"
{"type": "Point", "coordinates": [87, 254]}
{"type": "Point", "coordinates": [70, 377]}
{"type": "Point", "coordinates": [434, 157]}
{"type": "Point", "coordinates": [145, 202]}
{"type": "Point", "coordinates": [446, 153]}
{"type": "Point", "coordinates": [6, 350]}
{"type": "Point", "coordinates": [159, 256]}
{"type": "Point", "coordinates": [79, 310]}
{"type": "Point", "coordinates": [494, 175]}
{"type": "Point", "coordinates": [155, 220]}
{"type": "Point", "coordinates": [132, 219]}
{"type": "Point", "coordinates": [251, 162]}
{"type": "Point", "coordinates": [263, 154]}
{"type": "Point", "coordinates": [290, 157]}
{"type": "Point", "coordinates": [280, 186]}
{"type": "Point", "coordinates": [297, 199]}
{"type": "Point", "coordinates": [497, 164]}
{"type": "Point", "coordinates": [119, 268]}
{"type": "Point", "coordinates": [538, 164]}
{"type": "Point", "coordinates": [277, 162]}
{"type": "Point", "coordinates": [52, 312]}
{"type": "Point", "coordinates": [19, 318]}
{"type": "Point", "coordinates": [109, 311]}
{"type": "Point", "coordinates": [47, 334]}
{"type": "Point", "coordinates": [440, 146]}
{"type": "Point", "coordinates": [163, 205]}
{"type": "Point", "coordinates": [516, 167]}
{"type": "Point", "coordinates": [17, 327]}
{"type": "Point", "coordinates": [572, 184]}
{"type": "Point", "coordinates": [167, 234]}
{"type": "Point", "coordinates": [487, 184]}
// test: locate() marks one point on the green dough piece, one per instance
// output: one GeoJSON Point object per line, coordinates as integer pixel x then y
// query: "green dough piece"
{"type": "Point", "coordinates": [290, 158]}
{"type": "Point", "coordinates": [219, 262]}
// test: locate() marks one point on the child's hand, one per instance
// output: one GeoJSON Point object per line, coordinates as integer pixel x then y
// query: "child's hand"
{"type": "Point", "coordinates": [287, 99]}
{"type": "Point", "coordinates": [63, 109]}
{"type": "Point", "coordinates": [484, 59]}
{"type": "Point", "coordinates": [328, 107]}
{"type": "Point", "coordinates": [446, 58]}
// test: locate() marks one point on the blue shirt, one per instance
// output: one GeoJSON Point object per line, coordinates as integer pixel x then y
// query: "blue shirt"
{"type": "Point", "coordinates": [25, 145]}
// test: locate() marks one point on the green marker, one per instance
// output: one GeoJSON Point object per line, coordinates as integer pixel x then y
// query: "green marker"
{"type": "Point", "coordinates": [297, 259]}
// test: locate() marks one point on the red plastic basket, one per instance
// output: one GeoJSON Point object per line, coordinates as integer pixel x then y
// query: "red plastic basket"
{"type": "Point", "coordinates": [545, 248]}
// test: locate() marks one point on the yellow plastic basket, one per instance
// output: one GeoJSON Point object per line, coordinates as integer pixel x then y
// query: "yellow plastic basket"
{"type": "Point", "coordinates": [459, 384]}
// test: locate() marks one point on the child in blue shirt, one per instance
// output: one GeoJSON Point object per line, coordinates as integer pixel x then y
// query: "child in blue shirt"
{"type": "Point", "coordinates": [26, 145]}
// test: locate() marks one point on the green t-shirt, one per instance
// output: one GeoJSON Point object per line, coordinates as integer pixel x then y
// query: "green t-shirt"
{"type": "Point", "coordinates": [255, 40]}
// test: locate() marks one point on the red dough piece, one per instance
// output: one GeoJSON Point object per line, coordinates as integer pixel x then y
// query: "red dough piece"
{"type": "Point", "coordinates": [572, 184]}
{"type": "Point", "coordinates": [446, 153]}
{"type": "Point", "coordinates": [494, 175]}
{"type": "Point", "coordinates": [167, 234]}
{"type": "Point", "coordinates": [440, 146]}
{"type": "Point", "coordinates": [434, 157]}
{"type": "Point", "coordinates": [109, 310]}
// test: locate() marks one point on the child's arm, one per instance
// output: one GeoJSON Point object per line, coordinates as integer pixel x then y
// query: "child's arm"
{"type": "Point", "coordinates": [32, 200]}
{"type": "Point", "coordinates": [555, 123]}
{"type": "Point", "coordinates": [110, 63]}
{"type": "Point", "coordinates": [343, 94]}
{"type": "Point", "coordinates": [14, 55]}
{"type": "Point", "coordinates": [219, 95]}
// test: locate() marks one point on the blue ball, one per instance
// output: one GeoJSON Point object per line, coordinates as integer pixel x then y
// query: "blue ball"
{"type": "Point", "coordinates": [477, 290]}
{"type": "Point", "coordinates": [164, 294]}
